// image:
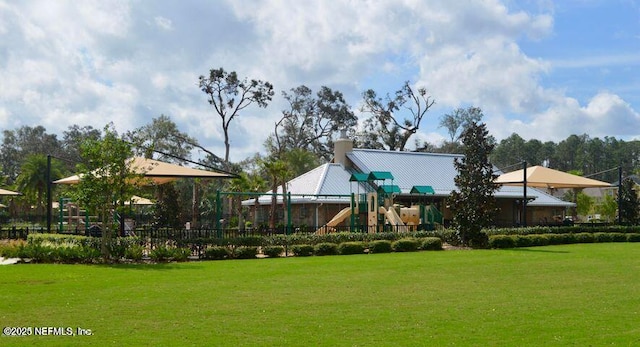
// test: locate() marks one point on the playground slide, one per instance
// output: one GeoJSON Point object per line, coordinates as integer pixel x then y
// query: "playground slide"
{"type": "Point", "coordinates": [395, 220]}
{"type": "Point", "coordinates": [337, 219]}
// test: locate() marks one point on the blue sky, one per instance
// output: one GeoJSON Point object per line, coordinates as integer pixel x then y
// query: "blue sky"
{"type": "Point", "coordinates": [542, 69]}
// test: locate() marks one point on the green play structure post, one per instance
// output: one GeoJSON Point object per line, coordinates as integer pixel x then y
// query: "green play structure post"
{"type": "Point", "coordinates": [289, 226]}
{"type": "Point", "coordinates": [353, 214]}
{"type": "Point", "coordinates": [218, 214]}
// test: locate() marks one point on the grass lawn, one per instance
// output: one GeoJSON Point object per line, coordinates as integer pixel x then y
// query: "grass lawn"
{"type": "Point", "coordinates": [576, 295]}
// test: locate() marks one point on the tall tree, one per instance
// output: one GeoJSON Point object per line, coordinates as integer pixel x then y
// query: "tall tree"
{"type": "Point", "coordinates": [161, 139]}
{"type": "Point", "coordinates": [570, 153]}
{"type": "Point", "coordinates": [311, 121]}
{"type": "Point", "coordinates": [107, 180]}
{"type": "Point", "coordinates": [72, 139]}
{"type": "Point", "coordinates": [460, 119]}
{"type": "Point", "coordinates": [278, 172]}
{"type": "Point", "coordinates": [229, 96]}
{"type": "Point", "coordinates": [26, 140]}
{"type": "Point", "coordinates": [509, 151]}
{"type": "Point", "coordinates": [394, 119]}
{"type": "Point", "coordinates": [629, 208]}
{"type": "Point", "coordinates": [32, 180]}
{"type": "Point", "coordinates": [474, 205]}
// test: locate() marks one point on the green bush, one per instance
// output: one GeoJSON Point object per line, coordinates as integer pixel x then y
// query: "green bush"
{"type": "Point", "coordinates": [11, 248]}
{"type": "Point", "coordinates": [247, 241]}
{"type": "Point", "coordinates": [352, 247]}
{"type": "Point", "coordinates": [380, 246]}
{"type": "Point", "coordinates": [618, 237]}
{"type": "Point", "coordinates": [431, 244]}
{"type": "Point", "coordinates": [561, 239]}
{"type": "Point", "coordinates": [134, 252]}
{"type": "Point", "coordinates": [302, 250]}
{"type": "Point", "coordinates": [119, 246]}
{"type": "Point", "coordinates": [272, 251]}
{"type": "Point", "coordinates": [405, 245]}
{"type": "Point", "coordinates": [161, 253]}
{"type": "Point", "coordinates": [217, 253]}
{"type": "Point", "coordinates": [537, 239]}
{"type": "Point", "coordinates": [245, 252]}
{"type": "Point", "coordinates": [325, 248]}
{"type": "Point", "coordinates": [584, 238]}
{"type": "Point", "coordinates": [609, 237]}
{"type": "Point", "coordinates": [502, 241]}
{"type": "Point", "coordinates": [38, 253]}
{"type": "Point", "coordinates": [523, 241]}
{"type": "Point", "coordinates": [180, 253]}
{"type": "Point", "coordinates": [633, 237]}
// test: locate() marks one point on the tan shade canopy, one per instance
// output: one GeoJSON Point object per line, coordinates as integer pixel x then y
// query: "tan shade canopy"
{"type": "Point", "coordinates": [158, 172]}
{"type": "Point", "coordinates": [137, 200]}
{"type": "Point", "coordinates": [542, 177]}
{"type": "Point", "coordinates": [8, 192]}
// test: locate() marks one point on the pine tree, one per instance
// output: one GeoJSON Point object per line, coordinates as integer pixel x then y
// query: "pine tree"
{"type": "Point", "coordinates": [473, 203]}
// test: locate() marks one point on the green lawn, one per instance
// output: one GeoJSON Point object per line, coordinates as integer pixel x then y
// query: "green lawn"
{"type": "Point", "coordinates": [576, 295]}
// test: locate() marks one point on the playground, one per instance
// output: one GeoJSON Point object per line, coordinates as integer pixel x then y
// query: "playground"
{"type": "Point", "coordinates": [373, 204]}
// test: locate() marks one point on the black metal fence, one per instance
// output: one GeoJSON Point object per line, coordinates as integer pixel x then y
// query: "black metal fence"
{"type": "Point", "coordinates": [185, 235]}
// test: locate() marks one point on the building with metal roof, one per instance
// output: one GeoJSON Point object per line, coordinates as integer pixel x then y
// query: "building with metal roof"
{"type": "Point", "coordinates": [410, 177]}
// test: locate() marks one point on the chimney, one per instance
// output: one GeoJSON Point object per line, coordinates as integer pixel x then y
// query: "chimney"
{"type": "Point", "coordinates": [341, 147]}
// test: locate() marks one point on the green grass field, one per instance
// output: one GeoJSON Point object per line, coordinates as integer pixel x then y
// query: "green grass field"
{"type": "Point", "coordinates": [574, 295]}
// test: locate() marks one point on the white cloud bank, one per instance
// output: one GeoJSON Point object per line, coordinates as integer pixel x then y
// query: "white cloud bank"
{"type": "Point", "coordinates": [92, 62]}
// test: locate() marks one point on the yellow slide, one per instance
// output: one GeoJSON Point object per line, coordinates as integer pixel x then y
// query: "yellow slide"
{"type": "Point", "coordinates": [337, 219]}
{"type": "Point", "coordinates": [394, 219]}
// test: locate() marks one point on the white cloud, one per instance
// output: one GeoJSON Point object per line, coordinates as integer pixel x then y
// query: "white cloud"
{"type": "Point", "coordinates": [604, 115]}
{"type": "Point", "coordinates": [91, 62]}
{"type": "Point", "coordinates": [163, 23]}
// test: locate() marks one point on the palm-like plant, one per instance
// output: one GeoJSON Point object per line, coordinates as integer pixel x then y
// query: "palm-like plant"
{"type": "Point", "coordinates": [32, 180]}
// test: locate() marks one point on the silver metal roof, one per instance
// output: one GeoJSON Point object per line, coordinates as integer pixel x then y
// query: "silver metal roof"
{"type": "Point", "coordinates": [433, 169]}
{"type": "Point", "coordinates": [409, 169]}
{"type": "Point", "coordinates": [322, 184]}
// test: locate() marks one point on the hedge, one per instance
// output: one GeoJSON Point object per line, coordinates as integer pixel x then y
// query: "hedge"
{"type": "Point", "coordinates": [380, 246]}
{"type": "Point", "coordinates": [431, 244]}
{"type": "Point", "coordinates": [405, 245]}
{"type": "Point", "coordinates": [353, 247]}
{"type": "Point", "coordinates": [325, 248]}
{"type": "Point", "coordinates": [273, 251]}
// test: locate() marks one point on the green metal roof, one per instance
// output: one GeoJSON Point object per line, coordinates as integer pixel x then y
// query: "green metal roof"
{"type": "Point", "coordinates": [359, 177]}
{"type": "Point", "coordinates": [422, 190]}
{"type": "Point", "coordinates": [380, 175]}
{"type": "Point", "coordinates": [389, 188]}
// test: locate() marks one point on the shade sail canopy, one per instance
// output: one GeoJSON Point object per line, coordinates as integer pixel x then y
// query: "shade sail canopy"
{"type": "Point", "coordinates": [139, 201]}
{"type": "Point", "coordinates": [542, 177]}
{"type": "Point", "coordinates": [158, 172]}
{"type": "Point", "coordinates": [8, 192]}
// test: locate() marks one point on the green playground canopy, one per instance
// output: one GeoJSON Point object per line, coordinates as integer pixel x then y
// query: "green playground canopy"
{"type": "Point", "coordinates": [422, 190]}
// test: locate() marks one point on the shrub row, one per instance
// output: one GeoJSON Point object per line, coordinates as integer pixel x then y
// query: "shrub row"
{"type": "Point", "coordinates": [325, 248]}
{"type": "Point", "coordinates": [359, 247]}
{"type": "Point", "coordinates": [583, 228]}
{"type": "Point", "coordinates": [530, 240]}
{"type": "Point", "coordinates": [49, 253]}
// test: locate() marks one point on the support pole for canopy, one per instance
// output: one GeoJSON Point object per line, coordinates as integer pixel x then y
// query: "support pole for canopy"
{"type": "Point", "coordinates": [619, 195]}
{"type": "Point", "coordinates": [288, 198]}
{"type": "Point", "coordinates": [524, 200]}
{"type": "Point", "coordinates": [49, 202]}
